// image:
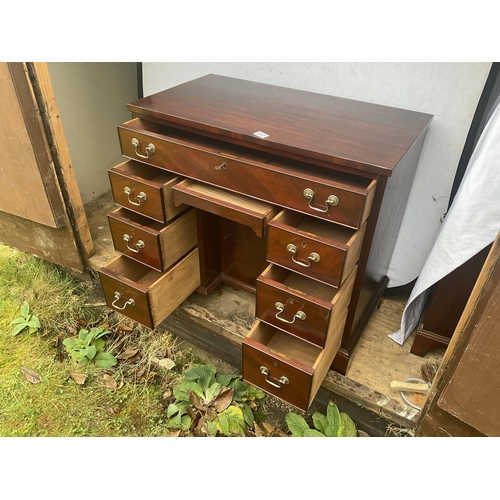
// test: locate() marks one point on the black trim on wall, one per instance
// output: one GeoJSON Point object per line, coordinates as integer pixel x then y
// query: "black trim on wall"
{"type": "Point", "coordinates": [140, 88]}
{"type": "Point", "coordinates": [487, 99]}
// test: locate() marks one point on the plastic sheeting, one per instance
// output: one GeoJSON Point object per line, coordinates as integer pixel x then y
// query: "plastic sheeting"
{"type": "Point", "coordinates": [471, 224]}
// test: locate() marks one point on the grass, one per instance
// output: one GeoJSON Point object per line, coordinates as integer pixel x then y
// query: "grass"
{"type": "Point", "coordinates": [57, 406]}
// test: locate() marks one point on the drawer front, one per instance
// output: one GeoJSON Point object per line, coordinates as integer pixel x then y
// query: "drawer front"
{"type": "Point", "coordinates": [136, 241]}
{"type": "Point", "coordinates": [310, 255]}
{"type": "Point", "coordinates": [301, 306]}
{"type": "Point", "coordinates": [256, 361]}
{"type": "Point", "coordinates": [157, 248]}
{"type": "Point", "coordinates": [292, 311]}
{"type": "Point", "coordinates": [145, 295]}
{"type": "Point", "coordinates": [307, 189]}
{"type": "Point", "coordinates": [138, 195]}
{"type": "Point", "coordinates": [127, 299]}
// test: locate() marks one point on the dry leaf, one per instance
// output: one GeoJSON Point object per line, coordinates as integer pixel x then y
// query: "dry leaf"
{"type": "Point", "coordinates": [259, 431]}
{"type": "Point", "coordinates": [196, 400]}
{"type": "Point", "coordinates": [166, 363]}
{"type": "Point", "coordinates": [78, 378]}
{"type": "Point", "coordinates": [211, 414]}
{"type": "Point", "coordinates": [110, 382]}
{"type": "Point", "coordinates": [173, 434]}
{"type": "Point", "coordinates": [223, 400]}
{"type": "Point", "coordinates": [125, 328]}
{"type": "Point", "coordinates": [167, 394]}
{"type": "Point", "coordinates": [31, 376]}
{"type": "Point", "coordinates": [128, 353]}
{"type": "Point", "coordinates": [201, 428]}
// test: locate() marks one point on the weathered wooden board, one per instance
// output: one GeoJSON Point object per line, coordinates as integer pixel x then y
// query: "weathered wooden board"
{"type": "Point", "coordinates": [56, 245]}
{"type": "Point", "coordinates": [29, 184]}
{"type": "Point", "coordinates": [473, 392]}
{"type": "Point", "coordinates": [44, 92]}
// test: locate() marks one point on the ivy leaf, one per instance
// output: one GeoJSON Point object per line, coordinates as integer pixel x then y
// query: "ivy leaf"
{"type": "Point", "coordinates": [99, 332]}
{"type": "Point", "coordinates": [90, 336]}
{"type": "Point", "coordinates": [197, 372]}
{"type": "Point", "coordinates": [212, 392]}
{"type": "Point", "coordinates": [18, 328]}
{"type": "Point", "coordinates": [349, 427]}
{"type": "Point", "coordinates": [99, 344]}
{"type": "Point", "coordinates": [247, 414]}
{"type": "Point", "coordinates": [232, 421]}
{"type": "Point", "coordinates": [204, 375]}
{"type": "Point", "coordinates": [82, 334]}
{"type": "Point", "coordinates": [70, 342]}
{"type": "Point", "coordinates": [33, 322]}
{"type": "Point", "coordinates": [91, 352]}
{"type": "Point", "coordinates": [181, 390]}
{"type": "Point", "coordinates": [296, 424]}
{"type": "Point", "coordinates": [241, 390]}
{"type": "Point", "coordinates": [105, 360]}
{"type": "Point", "coordinates": [254, 393]}
{"type": "Point", "coordinates": [334, 420]}
{"type": "Point", "coordinates": [212, 427]}
{"type": "Point", "coordinates": [17, 321]}
{"type": "Point", "coordinates": [182, 422]}
{"type": "Point", "coordinates": [321, 423]}
{"type": "Point", "coordinates": [174, 408]}
{"type": "Point", "coordinates": [25, 309]}
{"type": "Point", "coordinates": [225, 380]}
{"type": "Point", "coordinates": [313, 433]}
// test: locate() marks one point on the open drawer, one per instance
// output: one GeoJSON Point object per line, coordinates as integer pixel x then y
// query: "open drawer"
{"type": "Point", "coordinates": [312, 247]}
{"type": "Point", "coordinates": [145, 190]}
{"type": "Point", "coordinates": [154, 244]}
{"type": "Point", "coordinates": [145, 295]}
{"type": "Point", "coordinates": [242, 209]}
{"type": "Point", "coordinates": [286, 366]}
{"type": "Point", "coordinates": [301, 306]}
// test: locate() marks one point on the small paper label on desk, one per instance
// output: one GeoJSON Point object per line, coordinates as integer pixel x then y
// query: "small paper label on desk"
{"type": "Point", "coordinates": [260, 134]}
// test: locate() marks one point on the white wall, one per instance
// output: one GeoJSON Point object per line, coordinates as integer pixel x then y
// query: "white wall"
{"type": "Point", "coordinates": [449, 91]}
{"type": "Point", "coordinates": [92, 99]}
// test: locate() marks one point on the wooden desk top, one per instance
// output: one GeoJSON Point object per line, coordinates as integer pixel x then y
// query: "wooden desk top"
{"type": "Point", "coordinates": [306, 125]}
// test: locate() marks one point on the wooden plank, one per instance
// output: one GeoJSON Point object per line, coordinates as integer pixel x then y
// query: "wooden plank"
{"type": "Point", "coordinates": [473, 314]}
{"type": "Point", "coordinates": [29, 188]}
{"type": "Point", "coordinates": [44, 92]}
{"type": "Point", "coordinates": [473, 393]}
{"type": "Point", "coordinates": [56, 245]}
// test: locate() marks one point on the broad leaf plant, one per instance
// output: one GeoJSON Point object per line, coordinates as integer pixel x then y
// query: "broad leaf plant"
{"type": "Point", "coordinates": [208, 403]}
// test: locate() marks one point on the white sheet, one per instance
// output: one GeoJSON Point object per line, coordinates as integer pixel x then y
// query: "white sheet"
{"type": "Point", "coordinates": [472, 223]}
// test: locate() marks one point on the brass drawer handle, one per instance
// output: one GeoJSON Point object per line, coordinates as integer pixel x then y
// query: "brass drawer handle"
{"type": "Point", "coordinates": [140, 244]}
{"type": "Point", "coordinates": [282, 380]}
{"type": "Point", "coordinates": [141, 197]}
{"type": "Point", "coordinates": [130, 302]}
{"type": "Point", "coordinates": [149, 149]}
{"type": "Point", "coordinates": [313, 257]}
{"type": "Point", "coordinates": [298, 315]}
{"type": "Point", "coordinates": [331, 201]}
{"type": "Point", "coordinates": [222, 165]}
